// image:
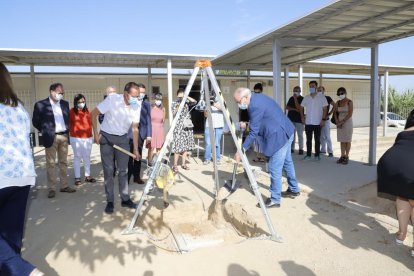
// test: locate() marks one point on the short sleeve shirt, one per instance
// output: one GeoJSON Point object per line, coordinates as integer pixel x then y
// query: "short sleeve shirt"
{"type": "Point", "coordinates": [16, 160]}
{"type": "Point", "coordinates": [314, 109]}
{"type": "Point", "coordinates": [294, 115]}
{"type": "Point", "coordinates": [118, 115]}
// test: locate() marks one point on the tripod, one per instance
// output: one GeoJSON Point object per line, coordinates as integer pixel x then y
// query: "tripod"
{"type": "Point", "coordinates": [207, 74]}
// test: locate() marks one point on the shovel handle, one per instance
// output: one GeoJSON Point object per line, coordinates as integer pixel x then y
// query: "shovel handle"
{"type": "Point", "coordinates": [233, 179]}
{"type": "Point", "coordinates": [124, 151]}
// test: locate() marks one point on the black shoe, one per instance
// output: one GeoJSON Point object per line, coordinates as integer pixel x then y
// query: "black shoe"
{"type": "Point", "coordinates": [139, 181]}
{"type": "Point", "coordinates": [109, 209]}
{"type": "Point", "coordinates": [269, 204]}
{"type": "Point", "coordinates": [288, 193]}
{"type": "Point", "coordinates": [292, 151]}
{"type": "Point", "coordinates": [331, 154]}
{"type": "Point", "coordinates": [300, 152]}
{"type": "Point", "coordinates": [129, 204]}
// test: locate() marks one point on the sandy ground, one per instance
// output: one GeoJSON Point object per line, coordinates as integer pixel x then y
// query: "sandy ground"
{"type": "Point", "coordinates": [71, 235]}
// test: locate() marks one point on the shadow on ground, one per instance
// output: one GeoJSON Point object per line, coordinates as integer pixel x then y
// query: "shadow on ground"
{"type": "Point", "coordinates": [355, 231]}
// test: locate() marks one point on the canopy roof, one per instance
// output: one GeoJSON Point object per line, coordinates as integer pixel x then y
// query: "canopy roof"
{"type": "Point", "coordinates": [326, 67]}
{"type": "Point", "coordinates": [339, 27]}
{"type": "Point", "coordinates": [96, 58]}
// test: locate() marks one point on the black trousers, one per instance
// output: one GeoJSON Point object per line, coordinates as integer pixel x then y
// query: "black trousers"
{"type": "Point", "coordinates": [13, 201]}
{"type": "Point", "coordinates": [310, 130]}
{"type": "Point", "coordinates": [134, 166]}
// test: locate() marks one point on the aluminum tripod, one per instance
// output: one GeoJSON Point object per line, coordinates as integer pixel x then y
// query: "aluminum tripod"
{"type": "Point", "coordinates": [207, 74]}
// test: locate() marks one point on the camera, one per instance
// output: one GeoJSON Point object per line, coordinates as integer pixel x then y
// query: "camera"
{"type": "Point", "coordinates": [213, 97]}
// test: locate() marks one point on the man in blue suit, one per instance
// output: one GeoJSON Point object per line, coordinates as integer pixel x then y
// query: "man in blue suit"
{"type": "Point", "coordinates": [51, 118]}
{"type": "Point", "coordinates": [145, 133]}
{"type": "Point", "coordinates": [268, 122]}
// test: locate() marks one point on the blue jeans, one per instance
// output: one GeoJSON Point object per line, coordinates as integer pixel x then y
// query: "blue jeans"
{"type": "Point", "coordinates": [218, 133]}
{"type": "Point", "coordinates": [282, 160]}
{"type": "Point", "coordinates": [13, 202]}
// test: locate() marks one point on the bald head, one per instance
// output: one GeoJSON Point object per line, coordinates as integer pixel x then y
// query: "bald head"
{"type": "Point", "coordinates": [110, 90]}
{"type": "Point", "coordinates": [240, 93]}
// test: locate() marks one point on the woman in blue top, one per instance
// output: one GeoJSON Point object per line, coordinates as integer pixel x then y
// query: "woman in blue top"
{"type": "Point", "coordinates": [17, 175]}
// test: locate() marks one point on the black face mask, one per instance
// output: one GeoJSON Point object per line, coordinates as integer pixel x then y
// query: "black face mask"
{"type": "Point", "coordinates": [179, 99]}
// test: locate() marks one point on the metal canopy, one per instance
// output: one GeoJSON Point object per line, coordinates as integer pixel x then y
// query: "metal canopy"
{"type": "Point", "coordinates": [339, 27]}
{"type": "Point", "coordinates": [324, 67]}
{"type": "Point", "coordinates": [96, 58]}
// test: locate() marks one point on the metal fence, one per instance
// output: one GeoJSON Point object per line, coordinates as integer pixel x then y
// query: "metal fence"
{"type": "Point", "coordinates": [402, 111]}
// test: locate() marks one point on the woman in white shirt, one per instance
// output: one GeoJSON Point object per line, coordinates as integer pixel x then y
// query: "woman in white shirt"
{"type": "Point", "coordinates": [17, 176]}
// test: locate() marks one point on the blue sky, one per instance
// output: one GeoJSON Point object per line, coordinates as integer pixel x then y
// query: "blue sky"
{"type": "Point", "coordinates": [184, 26]}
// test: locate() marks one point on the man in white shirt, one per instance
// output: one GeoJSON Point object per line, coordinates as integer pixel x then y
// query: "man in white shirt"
{"type": "Point", "coordinates": [218, 124]}
{"type": "Point", "coordinates": [316, 109]}
{"type": "Point", "coordinates": [122, 111]}
{"type": "Point", "coordinates": [51, 118]}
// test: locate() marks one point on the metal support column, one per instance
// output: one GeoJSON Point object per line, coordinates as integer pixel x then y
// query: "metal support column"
{"type": "Point", "coordinates": [33, 98]}
{"type": "Point", "coordinates": [385, 110]}
{"type": "Point", "coordinates": [373, 107]}
{"type": "Point", "coordinates": [286, 79]}
{"type": "Point", "coordinates": [277, 96]}
{"type": "Point", "coordinates": [149, 87]}
{"type": "Point", "coordinates": [170, 92]}
{"type": "Point", "coordinates": [300, 77]}
{"type": "Point", "coordinates": [248, 79]}
{"type": "Point", "coordinates": [320, 79]}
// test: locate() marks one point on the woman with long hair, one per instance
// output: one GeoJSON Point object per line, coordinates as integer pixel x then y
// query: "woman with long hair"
{"type": "Point", "coordinates": [81, 138]}
{"type": "Point", "coordinates": [17, 176]}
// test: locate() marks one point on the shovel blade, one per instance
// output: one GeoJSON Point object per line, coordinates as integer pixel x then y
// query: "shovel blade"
{"type": "Point", "coordinates": [232, 186]}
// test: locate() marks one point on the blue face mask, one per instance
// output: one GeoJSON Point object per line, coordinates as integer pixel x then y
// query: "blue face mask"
{"type": "Point", "coordinates": [312, 90]}
{"type": "Point", "coordinates": [242, 106]}
{"type": "Point", "coordinates": [133, 100]}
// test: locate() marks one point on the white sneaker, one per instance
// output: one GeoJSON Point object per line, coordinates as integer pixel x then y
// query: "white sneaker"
{"type": "Point", "coordinates": [206, 162]}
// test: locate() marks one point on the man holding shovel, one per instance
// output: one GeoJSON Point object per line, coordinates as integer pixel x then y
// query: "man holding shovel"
{"type": "Point", "coordinates": [268, 121]}
{"type": "Point", "coordinates": [122, 111]}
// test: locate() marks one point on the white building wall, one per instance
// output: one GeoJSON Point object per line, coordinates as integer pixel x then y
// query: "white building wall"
{"type": "Point", "coordinates": [94, 86]}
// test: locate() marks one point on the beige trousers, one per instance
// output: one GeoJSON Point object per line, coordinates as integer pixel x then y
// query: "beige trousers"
{"type": "Point", "coordinates": [60, 146]}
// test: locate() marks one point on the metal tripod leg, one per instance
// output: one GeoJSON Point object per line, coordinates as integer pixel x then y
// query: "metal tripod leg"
{"type": "Point", "coordinates": [245, 161]}
{"type": "Point", "coordinates": [130, 229]}
{"type": "Point", "coordinates": [211, 129]}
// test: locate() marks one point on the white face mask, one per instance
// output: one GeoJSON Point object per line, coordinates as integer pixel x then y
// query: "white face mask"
{"type": "Point", "coordinates": [81, 105]}
{"type": "Point", "coordinates": [341, 97]}
{"type": "Point", "coordinates": [59, 97]}
{"type": "Point", "coordinates": [141, 96]}
{"type": "Point", "coordinates": [312, 90]}
{"type": "Point", "coordinates": [296, 93]}
{"type": "Point", "coordinates": [158, 102]}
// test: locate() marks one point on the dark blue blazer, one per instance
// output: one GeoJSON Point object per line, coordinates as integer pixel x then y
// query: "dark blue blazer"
{"type": "Point", "coordinates": [269, 123]}
{"type": "Point", "coordinates": [44, 120]}
{"type": "Point", "coordinates": [145, 127]}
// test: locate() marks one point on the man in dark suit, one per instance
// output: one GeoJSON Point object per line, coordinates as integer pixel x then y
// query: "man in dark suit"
{"type": "Point", "coordinates": [268, 122]}
{"type": "Point", "coordinates": [51, 118]}
{"type": "Point", "coordinates": [145, 133]}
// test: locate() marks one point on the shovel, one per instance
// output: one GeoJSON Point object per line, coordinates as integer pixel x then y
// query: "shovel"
{"type": "Point", "coordinates": [230, 186]}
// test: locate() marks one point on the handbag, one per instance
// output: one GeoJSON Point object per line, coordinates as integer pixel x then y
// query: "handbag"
{"type": "Point", "coordinates": [188, 123]}
{"type": "Point", "coordinates": [337, 114]}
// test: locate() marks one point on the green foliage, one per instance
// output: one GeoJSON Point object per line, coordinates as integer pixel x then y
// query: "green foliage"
{"type": "Point", "coordinates": [400, 103]}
